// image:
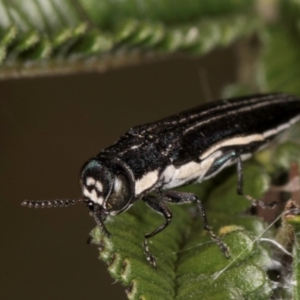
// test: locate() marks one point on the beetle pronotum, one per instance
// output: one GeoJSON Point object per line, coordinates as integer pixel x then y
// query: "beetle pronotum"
{"type": "Point", "coordinates": [148, 161]}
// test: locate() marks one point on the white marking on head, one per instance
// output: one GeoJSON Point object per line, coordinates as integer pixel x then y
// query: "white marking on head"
{"type": "Point", "coordinates": [99, 186]}
{"type": "Point", "coordinates": [146, 182]}
{"type": "Point", "coordinates": [92, 195]}
{"type": "Point", "coordinates": [90, 181]}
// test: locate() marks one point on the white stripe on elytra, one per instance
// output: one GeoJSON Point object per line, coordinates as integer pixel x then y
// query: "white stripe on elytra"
{"type": "Point", "coordinates": [294, 120]}
{"type": "Point", "coordinates": [135, 147]}
{"type": "Point", "coordinates": [226, 104]}
{"type": "Point", "coordinates": [236, 141]}
{"type": "Point", "coordinates": [230, 105]}
{"type": "Point", "coordinates": [176, 176]}
{"type": "Point", "coordinates": [260, 104]}
{"type": "Point", "coordinates": [283, 127]}
{"type": "Point", "coordinates": [262, 101]}
{"type": "Point", "coordinates": [131, 148]}
{"type": "Point", "coordinates": [269, 133]}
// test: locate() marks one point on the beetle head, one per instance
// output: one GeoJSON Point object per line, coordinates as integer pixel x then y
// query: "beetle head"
{"type": "Point", "coordinates": [105, 187]}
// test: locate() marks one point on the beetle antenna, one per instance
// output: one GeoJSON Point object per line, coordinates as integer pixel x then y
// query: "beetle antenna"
{"type": "Point", "coordinates": [51, 203]}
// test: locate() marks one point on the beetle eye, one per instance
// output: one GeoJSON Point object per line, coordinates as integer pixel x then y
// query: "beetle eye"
{"type": "Point", "coordinates": [120, 195]}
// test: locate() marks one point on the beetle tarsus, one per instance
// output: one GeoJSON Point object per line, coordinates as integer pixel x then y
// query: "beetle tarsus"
{"type": "Point", "coordinates": [150, 258]}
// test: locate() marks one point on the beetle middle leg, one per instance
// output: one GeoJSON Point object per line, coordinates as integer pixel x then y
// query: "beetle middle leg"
{"type": "Point", "coordinates": [240, 189]}
{"type": "Point", "coordinates": [158, 205]}
{"type": "Point", "coordinates": [184, 197]}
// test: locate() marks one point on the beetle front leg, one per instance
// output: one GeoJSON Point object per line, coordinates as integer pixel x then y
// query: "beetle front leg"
{"type": "Point", "coordinates": [100, 218]}
{"type": "Point", "coordinates": [183, 197]}
{"type": "Point", "coordinates": [160, 207]}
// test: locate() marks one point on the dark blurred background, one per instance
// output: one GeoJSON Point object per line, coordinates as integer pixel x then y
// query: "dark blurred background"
{"type": "Point", "coordinates": [48, 128]}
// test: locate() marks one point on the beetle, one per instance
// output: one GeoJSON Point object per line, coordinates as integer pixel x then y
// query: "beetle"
{"type": "Point", "coordinates": [148, 161]}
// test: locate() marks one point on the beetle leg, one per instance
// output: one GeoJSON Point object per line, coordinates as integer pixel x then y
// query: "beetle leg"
{"type": "Point", "coordinates": [183, 197]}
{"type": "Point", "coordinates": [159, 206]}
{"type": "Point", "coordinates": [100, 218]}
{"type": "Point", "coordinates": [240, 189]}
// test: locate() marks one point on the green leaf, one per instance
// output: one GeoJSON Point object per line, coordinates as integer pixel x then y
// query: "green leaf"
{"type": "Point", "coordinates": [190, 265]}
{"type": "Point", "coordinates": [57, 36]}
